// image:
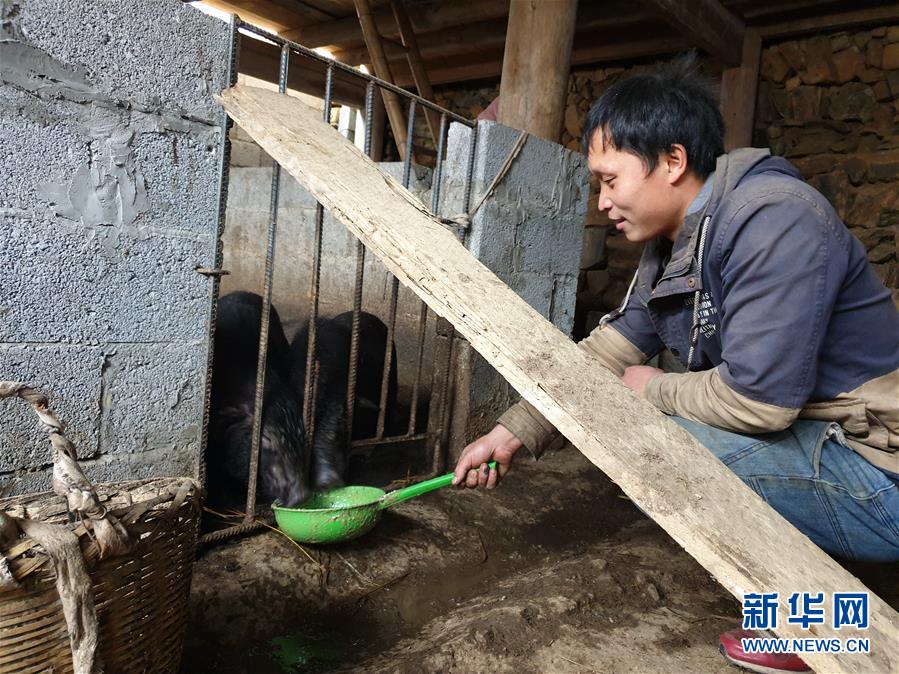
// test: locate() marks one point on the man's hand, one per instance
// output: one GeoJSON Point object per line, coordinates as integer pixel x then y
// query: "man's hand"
{"type": "Point", "coordinates": [636, 376]}
{"type": "Point", "coordinates": [472, 470]}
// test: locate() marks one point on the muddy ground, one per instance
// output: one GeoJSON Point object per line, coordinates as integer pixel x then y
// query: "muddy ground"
{"type": "Point", "coordinates": [555, 571]}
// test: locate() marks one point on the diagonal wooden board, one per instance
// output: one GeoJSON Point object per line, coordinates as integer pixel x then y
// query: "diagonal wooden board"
{"type": "Point", "coordinates": [735, 535]}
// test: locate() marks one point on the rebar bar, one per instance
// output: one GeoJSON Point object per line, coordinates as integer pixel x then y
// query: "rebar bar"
{"type": "Point", "coordinates": [394, 282]}
{"type": "Point", "coordinates": [231, 532]}
{"type": "Point", "coordinates": [353, 376]}
{"type": "Point", "coordinates": [309, 397]}
{"type": "Point", "coordinates": [372, 442]}
{"type": "Point", "coordinates": [419, 357]}
{"type": "Point", "coordinates": [266, 312]}
{"type": "Point", "coordinates": [222, 187]}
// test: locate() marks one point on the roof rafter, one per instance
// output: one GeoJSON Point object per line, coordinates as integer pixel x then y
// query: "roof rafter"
{"type": "Point", "coordinates": [706, 23]}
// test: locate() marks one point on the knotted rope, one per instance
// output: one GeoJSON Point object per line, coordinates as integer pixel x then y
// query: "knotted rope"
{"type": "Point", "coordinates": [61, 544]}
{"type": "Point", "coordinates": [463, 220]}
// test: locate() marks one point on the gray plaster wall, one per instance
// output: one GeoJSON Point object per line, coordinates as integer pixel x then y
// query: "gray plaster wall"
{"type": "Point", "coordinates": [109, 147]}
{"type": "Point", "coordinates": [530, 233]}
{"type": "Point", "coordinates": [245, 243]}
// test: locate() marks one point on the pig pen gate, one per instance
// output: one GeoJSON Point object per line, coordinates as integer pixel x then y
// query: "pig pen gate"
{"type": "Point", "coordinates": [434, 437]}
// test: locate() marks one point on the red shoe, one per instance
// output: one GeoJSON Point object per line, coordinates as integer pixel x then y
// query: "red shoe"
{"type": "Point", "coordinates": [764, 663]}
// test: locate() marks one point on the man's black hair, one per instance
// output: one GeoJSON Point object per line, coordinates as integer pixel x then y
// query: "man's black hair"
{"type": "Point", "coordinates": [647, 114]}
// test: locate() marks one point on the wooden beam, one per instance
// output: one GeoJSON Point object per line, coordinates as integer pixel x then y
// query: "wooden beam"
{"type": "Point", "coordinates": [536, 65]}
{"type": "Point", "coordinates": [382, 70]}
{"type": "Point", "coordinates": [593, 27]}
{"type": "Point", "coordinates": [416, 65]}
{"type": "Point", "coordinates": [738, 92]}
{"type": "Point", "coordinates": [705, 23]}
{"type": "Point", "coordinates": [704, 506]}
{"type": "Point", "coordinates": [425, 17]}
{"type": "Point", "coordinates": [489, 64]}
{"type": "Point", "coordinates": [860, 18]}
{"type": "Point", "coordinates": [438, 44]}
{"type": "Point", "coordinates": [261, 60]}
{"type": "Point", "coordinates": [333, 8]}
{"type": "Point", "coordinates": [751, 9]}
{"type": "Point", "coordinates": [272, 16]}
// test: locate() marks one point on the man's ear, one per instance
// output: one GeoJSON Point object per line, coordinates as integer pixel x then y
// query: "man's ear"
{"type": "Point", "coordinates": [675, 163]}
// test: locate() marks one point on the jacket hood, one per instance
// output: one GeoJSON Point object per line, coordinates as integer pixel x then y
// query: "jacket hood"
{"type": "Point", "coordinates": [737, 165]}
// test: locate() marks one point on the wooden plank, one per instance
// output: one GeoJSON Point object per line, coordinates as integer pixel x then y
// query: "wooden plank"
{"type": "Point", "coordinates": [706, 23]}
{"type": "Point", "coordinates": [746, 545]}
{"type": "Point", "coordinates": [738, 92]}
{"type": "Point", "coordinates": [536, 65]}
{"type": "Point", "coordinates": [860, 18]}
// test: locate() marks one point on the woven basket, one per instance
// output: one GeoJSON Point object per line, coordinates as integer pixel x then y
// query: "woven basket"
{"type": "Point", "coordinates": [139, 597]}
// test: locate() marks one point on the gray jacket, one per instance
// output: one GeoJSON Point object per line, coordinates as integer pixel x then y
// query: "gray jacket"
{"type": "Point", "coordinates": [771, 305]}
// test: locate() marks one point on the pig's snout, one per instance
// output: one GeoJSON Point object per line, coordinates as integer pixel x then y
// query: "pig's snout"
{"type": "Point", "coordinates": [284, 482]}
{"type": "Point", "coordinates": [295, 495]}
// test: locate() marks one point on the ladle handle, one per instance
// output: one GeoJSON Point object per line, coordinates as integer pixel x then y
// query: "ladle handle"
{"type": "Point", "coordinates": [404, 494]}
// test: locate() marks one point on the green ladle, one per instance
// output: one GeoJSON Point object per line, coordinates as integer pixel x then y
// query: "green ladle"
{"type": "Point", "coordinates": [347, 512]}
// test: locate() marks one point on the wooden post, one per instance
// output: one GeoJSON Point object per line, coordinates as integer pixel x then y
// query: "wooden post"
{"type": "Point", "coordinates": [738, 93]}
{"type": "Point", "coordinates": [416, 66]}
{"type": "Point", "coordinates": [704, 506]}
{"type": "Point", "coordinates": [382, 70]}
{"type": "Point", "coordinates": [536, 64]}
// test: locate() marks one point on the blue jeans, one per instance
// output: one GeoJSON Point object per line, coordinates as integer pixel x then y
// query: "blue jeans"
{"type": "Point", "coordinates": [844, 504]}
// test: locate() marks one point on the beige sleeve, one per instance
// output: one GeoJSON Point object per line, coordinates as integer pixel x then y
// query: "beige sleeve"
{"type": "Point", "coordinates": [704, 397]}
{"type": "Point", "coordinates": [610, 348]}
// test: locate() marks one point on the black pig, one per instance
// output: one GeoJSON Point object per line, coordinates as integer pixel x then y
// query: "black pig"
{"type": "Point", "coordinates": [330, 447]}
{"type": "Point", "coordinates": [232, 402]}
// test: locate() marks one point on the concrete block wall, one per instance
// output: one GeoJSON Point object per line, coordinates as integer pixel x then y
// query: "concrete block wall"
{"type": "Point", "coordinates": [109, 139]}
{"type": "Point", "coordinates": [245, 242]}
{"type": "Point", "coordinates": [529, 232]}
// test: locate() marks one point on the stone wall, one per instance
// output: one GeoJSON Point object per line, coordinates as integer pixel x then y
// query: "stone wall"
{"type": "Point", "coordinates": [108, 201]}
{"type": "Point", "coordinates": [830, 104]}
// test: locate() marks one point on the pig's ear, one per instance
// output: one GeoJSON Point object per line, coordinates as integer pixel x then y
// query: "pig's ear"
{"type": "Point", "coordinates": [366, 404]}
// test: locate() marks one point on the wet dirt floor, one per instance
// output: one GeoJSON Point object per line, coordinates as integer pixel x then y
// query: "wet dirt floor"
{"type": "Point", "coordinates": [554, 571]}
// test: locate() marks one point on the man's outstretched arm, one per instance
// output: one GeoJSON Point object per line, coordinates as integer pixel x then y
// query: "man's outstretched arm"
{"type": "Point", "coordinates": [523, 426]}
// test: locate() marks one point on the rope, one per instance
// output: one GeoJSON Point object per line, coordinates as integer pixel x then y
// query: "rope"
{"type": "Point", "coordinates": [68, 479]}
{"type": "Point", "coordinates": [61, 544]}
{"type": "Point", "coordinates": [463, 220]}
{"type": "Point", "coordinates": [76, 594]}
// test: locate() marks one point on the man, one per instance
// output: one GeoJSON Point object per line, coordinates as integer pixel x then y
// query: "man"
{"type": "Point", "coordinates": [789, 340]}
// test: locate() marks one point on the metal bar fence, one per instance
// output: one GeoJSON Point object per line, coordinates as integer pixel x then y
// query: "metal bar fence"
{"type": "Point", "coordinates": [440, 388]}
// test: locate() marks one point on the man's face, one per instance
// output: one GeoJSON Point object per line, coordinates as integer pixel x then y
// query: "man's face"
{"type": "Point", "coordinates": [642, 206]}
